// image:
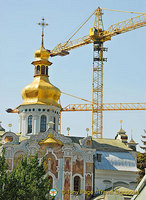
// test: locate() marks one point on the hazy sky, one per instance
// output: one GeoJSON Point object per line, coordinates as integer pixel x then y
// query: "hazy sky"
{"type": "Point", "coordinates": [124, 73]}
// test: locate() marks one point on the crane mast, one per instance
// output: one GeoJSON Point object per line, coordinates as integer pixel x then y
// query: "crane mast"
{"type": "Point", "coordinates": [97, 78]}
{"type": "Point", "coordinates": [97, 36]}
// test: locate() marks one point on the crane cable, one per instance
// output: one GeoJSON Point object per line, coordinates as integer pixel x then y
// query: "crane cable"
{"type": "Point", "coordinates": [124, 11]}
{"type": "Point", "coordinates": [76, 97]}
{"type": "Point", "coordinates": [79, 28]}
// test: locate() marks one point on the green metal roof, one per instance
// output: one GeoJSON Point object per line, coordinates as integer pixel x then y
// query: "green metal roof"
{"type": "Point", "coordinates": [104, 144]}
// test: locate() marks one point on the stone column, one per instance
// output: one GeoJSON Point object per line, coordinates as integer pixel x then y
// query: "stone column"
{"type": "Point", "coordinates": [20, 124]}
{"type": "Point", "coordinates": [24, 126]}
{"type": "Point", "coordinates": [34, 129]}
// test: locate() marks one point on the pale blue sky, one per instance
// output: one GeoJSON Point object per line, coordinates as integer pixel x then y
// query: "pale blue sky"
{"type": "Point", "coordinates": [124, 73]}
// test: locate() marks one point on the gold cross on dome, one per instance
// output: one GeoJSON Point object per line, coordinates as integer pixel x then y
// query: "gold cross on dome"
{"type": "Point", "coordinates": [121, 121]}
{"type": "Point", "coordinates": [131, 133]}
{"type": "Point", "coordinates": [43, 24]}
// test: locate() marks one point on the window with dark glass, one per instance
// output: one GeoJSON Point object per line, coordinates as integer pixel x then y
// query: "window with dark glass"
{"type": "Point", "coordinates": [77, 183]}
{"type": "Point", "coordinates": [99, 157]}
{"type": "Point", "coordinates": [30, 124]}
{"type": "Point", "coordinates": [43, 123]}
{"type": "Point", "coordinates": [46, 70]}
{"type": "Point", "coordinates": [43, 69]}
{"type": "Point", "coordinates": [38, 70]}
{"type": "Point", "coordinates": [54, 123]}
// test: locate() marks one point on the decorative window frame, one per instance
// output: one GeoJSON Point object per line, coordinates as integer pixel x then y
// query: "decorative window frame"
{"type": "Point", "coordinates": [43, 114]}
{"type": "Point", "coordinates": [82, 182]}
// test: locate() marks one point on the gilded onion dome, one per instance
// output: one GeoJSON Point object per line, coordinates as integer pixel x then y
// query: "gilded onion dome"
{"type": "Point", "coordinates": [41, 91]}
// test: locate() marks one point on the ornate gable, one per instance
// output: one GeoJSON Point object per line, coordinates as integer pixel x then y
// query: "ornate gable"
{"type": "Point", "coordinates": [51, 141]}
{"type": "Point", "coordinates": [10, 137]}
{"type": "Point", "coordinates": [86, 142]}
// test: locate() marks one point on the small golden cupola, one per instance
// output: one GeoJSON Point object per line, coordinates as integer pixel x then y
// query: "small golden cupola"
{"type": "Point", "coordinates": [40, 98]}
{"type": "Point", "coordinates": [41, 91]}
{"type": "Point", "coordinates": [51, 141]}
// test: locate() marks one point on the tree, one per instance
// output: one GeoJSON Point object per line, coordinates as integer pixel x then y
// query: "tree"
{"type": "Point", "coordinates": [141, 164]}
{"type": "Point", "coordinates": [3, 175]}
{"type": "Point", "coordinates": [141, 158]}
{"type": "Point", "coordinates": [27, 181]}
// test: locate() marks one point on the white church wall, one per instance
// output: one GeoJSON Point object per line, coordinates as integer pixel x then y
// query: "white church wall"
{"type": "Point", "coordinates": [37, 111]}
{"type": "Point", "coordinates": [115, 177]}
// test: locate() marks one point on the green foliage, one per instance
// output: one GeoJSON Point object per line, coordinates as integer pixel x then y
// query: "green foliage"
{"type": "Point", "coordinates": [141, 164]}
{"type": "Point", "coordinates": [3, 174]}
{"type": "Point", "coordinates": [27, 181]}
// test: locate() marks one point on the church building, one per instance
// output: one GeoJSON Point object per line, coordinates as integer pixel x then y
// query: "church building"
{"type": "Point", "coordinates": [76, 166]}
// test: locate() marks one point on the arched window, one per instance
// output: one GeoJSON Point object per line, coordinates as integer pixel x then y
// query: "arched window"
{"type": "Point", "coordinates": [38, 70]}
{"type": "Point", "coordinates": [43, 69]}
{"type": "Point", "coordinates": [46, 70]}
{"type": "Point", "coordinates": [54, 123]}
{"type": "Point", "coordinates": [43, 123]}
{"type": "Point", "coordinates": [29, 124]}
{"type": "Point", "coordinates": [77, 183]}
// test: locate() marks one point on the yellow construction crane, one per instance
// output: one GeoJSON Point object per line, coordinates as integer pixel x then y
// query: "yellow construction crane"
{"type": "Point", "coordinates": [97, 36]}
{"type": "Point", "coordinates": [106, 107]}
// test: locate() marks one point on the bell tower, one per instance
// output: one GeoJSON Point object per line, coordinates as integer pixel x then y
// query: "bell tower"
{"type": "Point", "coordinates": [40, 98]}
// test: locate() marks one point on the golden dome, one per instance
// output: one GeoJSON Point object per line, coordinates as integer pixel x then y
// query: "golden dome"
{"type": "Point", "coordinates": [41, 91]}
{"type": "Point", "coordinates": [51, 140]}
{"type": "Point", "coordinates": [42, 54]}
